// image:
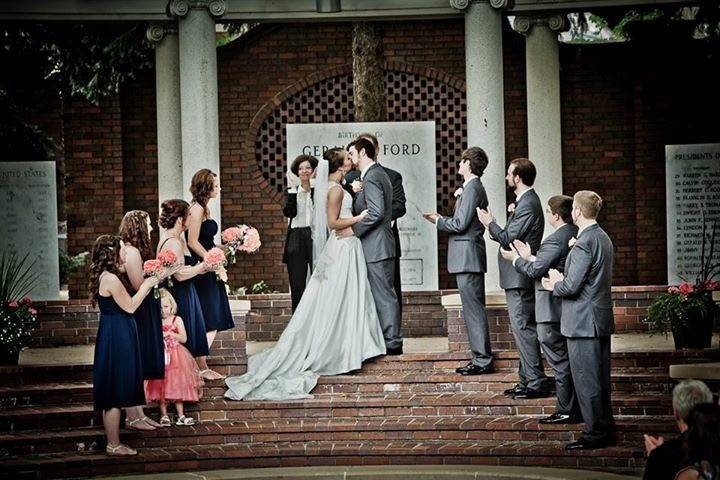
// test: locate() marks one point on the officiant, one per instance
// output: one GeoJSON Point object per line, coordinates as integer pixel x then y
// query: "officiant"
{"type": "Point", "coordinates": [299, 209]}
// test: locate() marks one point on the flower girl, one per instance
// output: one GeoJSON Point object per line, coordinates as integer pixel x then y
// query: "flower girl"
{"type": "Point", "coordinates": [182, 382]}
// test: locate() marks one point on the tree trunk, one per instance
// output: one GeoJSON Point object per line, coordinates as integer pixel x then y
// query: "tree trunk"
{"type": "Point", "coordinates": [368, 73]}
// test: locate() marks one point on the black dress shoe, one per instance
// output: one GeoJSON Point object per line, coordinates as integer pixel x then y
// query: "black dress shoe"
{"type": "Point", "coordinates": [560, 419]}
{"type": "Point", "coordinates": [583, 443]}
{"type": "Point", "coordinates": [394, 351]}
{"type": "Point", "coordinates": [511, 392]}
{"type": "Point", "coordinates": [471, 369]}
{"type": "Point", "coordinates": [529, 393]}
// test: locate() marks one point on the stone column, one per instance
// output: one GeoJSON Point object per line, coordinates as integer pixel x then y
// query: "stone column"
{"type": "Point", "coordinates": [485, 108]}
{"type": "Point", "coordinates": [167, 90]}
{"type": "Point", "coordinates": [543, 101]}
{"type": "Point", "coordinates": [198, 88]}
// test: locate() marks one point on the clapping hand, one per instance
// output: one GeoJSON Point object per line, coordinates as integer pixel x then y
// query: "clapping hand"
{"type": "Point", "coordinates": [554, 277]}
{"type": "Point", "coordinates": [508, 255]}
{"type": "Point", "coordinates": [485, 216]}
{"type": "Point", "coordinates": [523, 249]}
{"type": "Point", "coordinates": [431, 217]}
{"type": "Point", "coordinates": [651, 443]}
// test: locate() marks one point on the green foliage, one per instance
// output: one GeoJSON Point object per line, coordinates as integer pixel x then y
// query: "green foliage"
{"type": "Point", "coordinates": [256, 289]}
{"type": "Point", "coordinates": [670, 310]}
{"type": "Point", "coordinates": [18, 318]}
{"type": "Point", "coordinates": [69, 264]}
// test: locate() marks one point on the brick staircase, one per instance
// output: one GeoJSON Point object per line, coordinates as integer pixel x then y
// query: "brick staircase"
{"type": "Point", "coordinates": [411, 409]}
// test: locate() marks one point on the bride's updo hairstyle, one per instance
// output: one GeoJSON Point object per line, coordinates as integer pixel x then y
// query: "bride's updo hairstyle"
{"type": "Point", "coordinates": [335, 158]}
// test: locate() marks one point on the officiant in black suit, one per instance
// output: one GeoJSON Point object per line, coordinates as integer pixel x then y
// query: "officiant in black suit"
{"type": "Point", "coordinates": [398, 205]}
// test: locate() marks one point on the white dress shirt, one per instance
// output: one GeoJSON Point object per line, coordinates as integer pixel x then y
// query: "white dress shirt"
{"type": "Point", "coordinates": [304, 209]}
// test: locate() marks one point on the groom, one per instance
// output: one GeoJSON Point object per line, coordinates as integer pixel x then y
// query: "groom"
{"type": "Point", "coordinates": [375, 233]}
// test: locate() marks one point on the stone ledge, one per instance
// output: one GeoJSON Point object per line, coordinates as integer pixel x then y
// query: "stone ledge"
{"type": "Point", "coordinates": [698, 371]}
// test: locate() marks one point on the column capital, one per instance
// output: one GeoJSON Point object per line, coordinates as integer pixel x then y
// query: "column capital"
{"type": "Point", "coordinates": [156, 32]}
{"type": "Point", "coordinates": [497, 4]}
{"type": "Point", "coordinates": [180, 8]}
{"type": "Point", "coordinates": [524, 24]}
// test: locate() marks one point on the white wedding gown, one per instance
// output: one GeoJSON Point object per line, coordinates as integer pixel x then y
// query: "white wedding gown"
{"type": "Point", "coordinates": [333, 330]}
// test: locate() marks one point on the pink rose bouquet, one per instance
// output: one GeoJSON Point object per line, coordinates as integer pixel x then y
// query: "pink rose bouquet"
{"type": "Point", "coordinates": [168, 259]}
{"type": "Point", "coordinates": [215, 258]}
{"type": "Point", "coordinates": [242, 238]}
{"type": "Point", "coordinates": [154, 268]}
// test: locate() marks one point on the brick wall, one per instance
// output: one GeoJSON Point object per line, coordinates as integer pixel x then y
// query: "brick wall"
{"type": "Point", "coordinates": [616, 121]}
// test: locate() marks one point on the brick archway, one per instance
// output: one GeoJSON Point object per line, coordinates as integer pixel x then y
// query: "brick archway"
{"type": "Point", "coordinates": [414, 93]}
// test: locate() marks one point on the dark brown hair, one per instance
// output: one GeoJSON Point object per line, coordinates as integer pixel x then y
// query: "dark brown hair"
{"type": "Point", "coordinates": [524, 169]}
{"type": "Point", "coordinates": [335, 158]}
{"type": "Point", "coordinates": [134, 231]}
{"type": "Point", "coordinates": [171, 210]}
{"type": "Point", "coordinates": [201, 186]}
{"type": "Point", "coordinates": [362, 143]}
{"type": "Point", "coordinates": [562, 205]}
{"type": "Point", "coordinates": [373, 139]}
{"type": "Point", "coordinates": [105, 257]}
{"type": "Point", "coordinates": [478, 160]}
{"type": "Point", "coordinates": [295, 166]}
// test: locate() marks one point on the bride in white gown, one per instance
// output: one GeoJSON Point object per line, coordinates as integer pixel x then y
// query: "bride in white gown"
{"type": "Point", "coordinates": [335, 326]}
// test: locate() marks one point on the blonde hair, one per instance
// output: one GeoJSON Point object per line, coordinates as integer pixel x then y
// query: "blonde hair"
{"type": "Point", "coordinates": [589, 203]}
{"type": "Point", "coordinates": [165, 293]}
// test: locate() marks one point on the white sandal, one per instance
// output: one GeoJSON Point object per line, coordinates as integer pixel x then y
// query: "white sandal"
{"type": "Point", "coordinates": [165, 421]}
{"type": "Point", "coordinates": [131, 425]}
{"type": "Point", "coordinates": [184, 421]}
{"type": "Point", "coordinates": [120, 450]}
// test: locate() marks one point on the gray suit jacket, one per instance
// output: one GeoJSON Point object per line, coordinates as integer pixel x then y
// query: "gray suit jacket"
{"type": "Point", "coordinates": [374, 231]}
{"type": "Point", "coordinates": [526, 224]}
{"type": "Point", "coordinates": [466, 245]}
{"type": "Point", "coordinates": [587, 306]}
{"type": "Point", "coordinates": [552, 254]}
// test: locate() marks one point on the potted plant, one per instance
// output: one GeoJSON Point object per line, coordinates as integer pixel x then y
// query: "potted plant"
{"type": "Point", "coordinates": [688, 310]}
{"type": "Point", "coordinates": [18, 318]}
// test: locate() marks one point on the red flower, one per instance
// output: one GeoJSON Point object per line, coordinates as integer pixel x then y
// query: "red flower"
{"type": "Point", "coordinates": [13, 304]}
{"type": "Point", "coordinates": [673, 290]}
{"type": "Point", "coordinates": [26, 300]}
{"type": "Point", "coordinates": [712, 285]}
{"type": "Point", "coordinates": [33, 311]}
{"type": "Point", "coordinates": [686, 289]}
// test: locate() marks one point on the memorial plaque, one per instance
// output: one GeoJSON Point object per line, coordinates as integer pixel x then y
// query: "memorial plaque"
{"type": "Point", "coordinates": [409, 148]}
{"type": "Point", "coordinates": [692, 182]}
{"type": "Point", "coordinates": [29, 197]}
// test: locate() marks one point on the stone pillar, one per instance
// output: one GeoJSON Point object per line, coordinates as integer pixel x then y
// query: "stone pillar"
{"type": "Point", "coordinates": [167, 90]}
{"type": "Point", "coordinates": [543, 101]}
{"type": "Point", "coordinates": [198, 88]}
{"type": "Point", "coordinates": [485, 110]}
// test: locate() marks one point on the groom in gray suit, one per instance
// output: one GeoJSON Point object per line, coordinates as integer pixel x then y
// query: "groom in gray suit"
{"type": "Point", "coordinates": [587, 320]}
{"type": "Point", "coordinates": [525, 223]}
{"type": "Point", "coordinates": [467, 259]}
{"type": "Point", "coordinates": [548, 308]}
{"type": "Point", "coordinates": [378, 242]}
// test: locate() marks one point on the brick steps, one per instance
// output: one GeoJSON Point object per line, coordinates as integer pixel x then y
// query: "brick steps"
{"type": "Point", "coordinates": [440, 381]}
{"type": "Point", "coordinates": [621, 458]}
{"type": "Point", "coordinates": [337, 405]}
{"type": "Point", "coordinates": [449, 428]}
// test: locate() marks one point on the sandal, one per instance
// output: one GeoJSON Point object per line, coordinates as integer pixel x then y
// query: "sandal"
{"type": "Point", "coordinates": [165, 421]}
{"type": "Point", "coordinates": [131, 425]}
{"type": "Point", "coordinates": [151, 422]}
{"type": "Point", "coordinates": [120, 450]}
{"type": "Point", "coordinates": [184, 421]}
{"type": "Point", "coordinates": [208, 374]}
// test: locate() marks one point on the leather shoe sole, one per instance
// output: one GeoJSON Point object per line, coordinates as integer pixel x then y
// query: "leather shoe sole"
{"type": "Point", "coordinates": [475, 370]}
{"type": "Point", "coordinates": [559, 419]}
{"type": "Point", "coordinates": [583, 444]}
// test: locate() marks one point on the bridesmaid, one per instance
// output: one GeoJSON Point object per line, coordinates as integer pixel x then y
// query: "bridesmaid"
{"type": "Point", "coordinates": [117, 368]}
{"type": "Point", "coordinates": [135, 231]}
{"type": "Point", "coordinates": [200, 237]}
{"type": "Point", "coordinates": [173, 218]}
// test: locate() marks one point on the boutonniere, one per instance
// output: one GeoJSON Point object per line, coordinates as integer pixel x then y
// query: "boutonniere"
{"type": "Point", "coordinates": [572, 242]}
{"type": "Point", "coordinates": [511, 208]}
{"type": "Point", "coordinates": [458, 192]}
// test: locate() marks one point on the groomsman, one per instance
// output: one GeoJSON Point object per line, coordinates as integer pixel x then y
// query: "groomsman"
{"type": "Point", "coordinates": [466, 257]}
{"type": "Point", "coordinates": [548, 308]}
{"type": "Point", "coordinates": [525, 223]}
{"type": "Point", "coordinates": [398, 206]}
{"type": "Point", "coordinates": [587, 320]}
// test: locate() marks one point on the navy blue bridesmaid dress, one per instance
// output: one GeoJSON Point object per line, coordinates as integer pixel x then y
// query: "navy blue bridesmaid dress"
{"type": "Point", "coordinates": [212, 293]}
{"type": "Point", "coordinates": [190, 311]}
{"type": "Point", "coordinates": [148, 317]}
{"type": "Point", "coordinates": [117, 369]}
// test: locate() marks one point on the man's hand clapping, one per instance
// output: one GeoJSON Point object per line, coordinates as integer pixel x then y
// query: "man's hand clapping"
{"type": "Point", "coordinates": [485, 216]}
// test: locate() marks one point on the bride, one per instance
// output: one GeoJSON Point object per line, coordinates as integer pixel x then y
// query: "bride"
{"type": "Point", "coordinates": [335, 326]}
